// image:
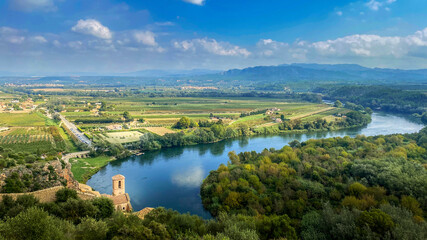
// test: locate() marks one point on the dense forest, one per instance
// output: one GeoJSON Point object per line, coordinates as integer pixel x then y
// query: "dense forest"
{"type": "Point", "coordinates": [337, 188]}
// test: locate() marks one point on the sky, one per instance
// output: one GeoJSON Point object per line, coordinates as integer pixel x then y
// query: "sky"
{"type": "Point", "coordinates": [109, 36]}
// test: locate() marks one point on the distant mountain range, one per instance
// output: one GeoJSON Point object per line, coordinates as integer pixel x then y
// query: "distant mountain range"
{"type": "Point", "coordinates": [289, 74]}
{"type": "Point", "coordinates": [325, 72]}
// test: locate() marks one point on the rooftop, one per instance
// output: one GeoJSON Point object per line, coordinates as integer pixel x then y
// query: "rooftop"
{"type": "Point", "coordinates": [118, 177]}
{"type": "Point", "coordinates": [120, 199]}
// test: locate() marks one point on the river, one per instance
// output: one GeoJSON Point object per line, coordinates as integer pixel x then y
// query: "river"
{"type": "Point", "coordinates": [172, 177]}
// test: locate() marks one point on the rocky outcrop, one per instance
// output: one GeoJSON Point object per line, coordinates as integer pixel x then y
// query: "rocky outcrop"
{"type": "Point", "coordinates": [37, 176]}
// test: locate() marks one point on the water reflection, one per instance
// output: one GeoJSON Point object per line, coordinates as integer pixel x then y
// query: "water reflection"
{"type": "Point", "coordinates": [172, 177]}
{"type": "Point", "coordinates": [192, 177]}
{"type": "Point", "coordinates": [243, 142]}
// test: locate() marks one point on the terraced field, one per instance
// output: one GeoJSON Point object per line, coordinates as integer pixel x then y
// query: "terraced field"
{"type": "Point", "coordinates": [32, 139]}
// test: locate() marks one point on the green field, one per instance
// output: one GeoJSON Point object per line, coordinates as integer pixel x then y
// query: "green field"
{"type": "Point", "coordinates": [83, 168]}
{"type": "Point", "coordinates": [251, 120]}
{"type": "Point", "coordinates": [22, 119]}
{"type": "Point", "coordinates": [122, 137]}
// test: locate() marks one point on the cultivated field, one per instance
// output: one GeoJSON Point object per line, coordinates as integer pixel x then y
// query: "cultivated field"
{"type": "Point", "coordinates": [160, 112]}
{"type": "Point", "coordinates": [122, 137]}
{"type": "Point", "coordinates": [21, 119]}
{"type": "Point", "coordinates": [159, 130]}
{"type": "Point", "coordinates": [32, 139]}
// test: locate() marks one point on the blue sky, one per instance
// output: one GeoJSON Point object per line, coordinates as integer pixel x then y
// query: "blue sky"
{"type": "Point", "coordinates": [108, 36]}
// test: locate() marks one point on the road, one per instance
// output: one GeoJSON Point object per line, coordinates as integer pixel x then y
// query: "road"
{"type": "Point", "coordinates": [79, 135]}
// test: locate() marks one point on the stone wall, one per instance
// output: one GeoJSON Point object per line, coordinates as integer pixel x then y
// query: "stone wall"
{"type": "Point", "coordinates": [47, 195]}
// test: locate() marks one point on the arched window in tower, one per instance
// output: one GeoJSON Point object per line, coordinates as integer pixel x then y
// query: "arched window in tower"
{"type": "Point", "coordinates": [120, 184]}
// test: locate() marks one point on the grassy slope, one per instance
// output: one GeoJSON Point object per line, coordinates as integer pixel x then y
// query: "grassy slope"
{"type": "Point", "coordinates": [83, 169]}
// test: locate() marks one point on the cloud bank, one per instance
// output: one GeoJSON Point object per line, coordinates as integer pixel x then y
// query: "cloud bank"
{"type": "Point", "coordinates": [97, 48]}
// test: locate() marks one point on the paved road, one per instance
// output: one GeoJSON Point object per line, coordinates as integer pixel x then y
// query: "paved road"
{"type": "Point", "coordinates": [79, 135]}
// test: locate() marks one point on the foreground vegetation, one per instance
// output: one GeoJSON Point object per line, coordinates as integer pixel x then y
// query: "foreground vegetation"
{"type": "Point", "coordinates": [72, 218]}
{"type": "Point", "coordinates": [338, 188]}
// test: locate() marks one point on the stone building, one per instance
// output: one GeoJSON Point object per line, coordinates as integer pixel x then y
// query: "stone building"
{"type": "Point", "coordinates": [120, 198]}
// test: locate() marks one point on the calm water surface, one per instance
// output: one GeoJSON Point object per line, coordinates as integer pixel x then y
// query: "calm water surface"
{"type": "Point", "coordinates": [172, 177]}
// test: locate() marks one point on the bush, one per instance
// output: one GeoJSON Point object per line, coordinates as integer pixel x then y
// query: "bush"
{"type": "Point", "coordinates": [64, 194]}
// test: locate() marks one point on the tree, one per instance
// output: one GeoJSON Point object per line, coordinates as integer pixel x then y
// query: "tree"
{"type": "Point", "coordinates": [35, 223]}
{"type": "Point", "coordinates": [13, 184]}
{"type": "Point", "coordinates": [127, 116]}
{"type": "Point", "coordinates": [218, 130]}
{"type": "Point", "coordinates": [64, 194]}
{"type": "Point", "coordinates": [338, 104]}
{"type": "Point", "coordinates": [424, 118]}
{"type": "Point", "coordinates": [56, 117]}
{"type": "Point", "coordinates": [105, 207]}
{"type": "Point", "coordinates": [183, 123]}
{"type": "Point", "coordinates": [377, 221]}
{"type": "Point", "coordinates": [103, 106]}
{"type": "Point", "coordinates": [412, 205]}
{"type": "Point", "coordinates": [90, 229]}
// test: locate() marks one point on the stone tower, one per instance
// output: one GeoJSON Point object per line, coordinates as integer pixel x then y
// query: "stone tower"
{"type": "Point", "coordinates": [118, 185]}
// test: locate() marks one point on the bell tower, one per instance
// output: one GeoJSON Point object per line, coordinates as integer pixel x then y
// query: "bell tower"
{"type": "Point", "coordinates": [118, 185]}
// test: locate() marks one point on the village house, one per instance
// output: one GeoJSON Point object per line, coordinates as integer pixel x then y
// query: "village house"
{"type": "Point", "coordinates": [270, 111]}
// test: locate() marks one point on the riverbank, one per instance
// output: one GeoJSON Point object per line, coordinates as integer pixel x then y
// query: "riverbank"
{"type": "Point", "coordinates": [84, 168]}
{"type": "Point", "coordinates": [171, 177]}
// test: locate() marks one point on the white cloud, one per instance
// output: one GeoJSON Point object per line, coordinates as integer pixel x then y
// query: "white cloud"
{"type": "Point", "coordinates": [39, 39]}
{"type": "Point", "coordinates": [270, 47]}
{"type": "Point", "coordinates": [33, 5]}
{"type": "Point", "coordinates": [196, 2]}
{"type": "Point", "coordinates": [145, 37]}
{"type": "Point", "coordinates": [358, 45]}
{"type": "Point", "coordinates": [75, 45]}
{"type": "Point", "coordinates": [11, 35]}
{"type": "Point", "coordinates": [376, 5]}
{"type": "Point", "coordinates": [92, 27]}
{"type": "Point", "coordinates": [339, 13]}
{"type": "Point", "coordinates": [56, 43]}
{"type": "Point", "coordinates": [212, 46]}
